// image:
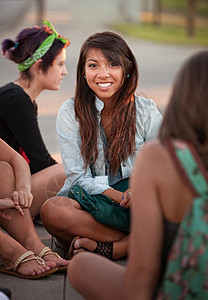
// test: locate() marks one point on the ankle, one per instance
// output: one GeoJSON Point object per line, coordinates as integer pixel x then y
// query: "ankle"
{"type": "Point", "coordinates": [10, 253]}
{"type": "Point", "coordinates": [119, 250]}
{"type": "Point", "coordinates": [33, 243]}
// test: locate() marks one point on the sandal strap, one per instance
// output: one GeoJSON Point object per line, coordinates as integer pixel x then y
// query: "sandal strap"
{"type": "Point", "coordinates": [105, 249]}
{"type": "Point", "coordinates": [47, 251]}
{"type": "Point", "coordinates": [24, 258]}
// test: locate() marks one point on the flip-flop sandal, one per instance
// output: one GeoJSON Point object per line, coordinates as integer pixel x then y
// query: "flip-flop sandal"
{"type": "Point", "coordinates": [22, 259]}
{"type": "Point", "coordinates": [47, 251]}
{"type": "Point", "coordinates": [71, 248]}
{"type": "Point", "coordinates": [103, 248]}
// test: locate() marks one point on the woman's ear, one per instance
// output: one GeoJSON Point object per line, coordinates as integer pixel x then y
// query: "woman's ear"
{"type": "Point", "coordinates": [130, 66]}
{"type": "Point", "coordinates": [37, 66]}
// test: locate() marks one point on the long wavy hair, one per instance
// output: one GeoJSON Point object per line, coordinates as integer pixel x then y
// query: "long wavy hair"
{"type": "Point", "coordinates": [121, 142]}
{"type": "Point", "coordinates": [186, 117]}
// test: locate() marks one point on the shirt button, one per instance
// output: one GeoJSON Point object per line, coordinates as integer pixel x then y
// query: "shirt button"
{"type": "Point", "coordinates": [124, 165]}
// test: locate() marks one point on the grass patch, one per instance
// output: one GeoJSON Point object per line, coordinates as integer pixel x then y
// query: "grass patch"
{"type": "Point", "coordinates": [181, 6]}
{"type": "Point", "coordinates": [177, 5]}
{"type": "Point", "coordinates": [172, 34]}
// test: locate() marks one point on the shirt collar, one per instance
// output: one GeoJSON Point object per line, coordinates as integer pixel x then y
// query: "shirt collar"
{"type": "Point", "coordinates": [99, 104]}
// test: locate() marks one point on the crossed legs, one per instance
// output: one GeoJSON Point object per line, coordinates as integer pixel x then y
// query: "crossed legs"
{"type": "Point", "coordinates": [64, 219]}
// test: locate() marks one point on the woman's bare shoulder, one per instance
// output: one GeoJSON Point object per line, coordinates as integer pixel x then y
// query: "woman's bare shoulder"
{"type": "Point", "coordinates": [153, 149]}
{"type": "Point", "coordinates": [153, 160]}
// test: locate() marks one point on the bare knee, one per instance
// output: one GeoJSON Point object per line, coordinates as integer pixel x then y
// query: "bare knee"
{"type": "Point", "coordinates": [49, 211]}
{"type": "Point", "coordinates": [6, 169]}
{"type": "Point", "coordinates": [56, 211]}
{"type": "Point", "coordinates": [7, 179]}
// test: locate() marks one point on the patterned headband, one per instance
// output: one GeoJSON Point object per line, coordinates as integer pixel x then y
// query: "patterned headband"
{"type": "Point", "coordinates": [43, 48]}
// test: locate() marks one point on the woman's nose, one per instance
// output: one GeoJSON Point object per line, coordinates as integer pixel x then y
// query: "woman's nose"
{"type": "Point", "coordinates": [103, 72]}
{"type": "Point", "coordinates": [64, 70]}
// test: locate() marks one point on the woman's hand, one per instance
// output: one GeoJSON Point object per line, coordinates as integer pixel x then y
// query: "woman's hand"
{"type": "Point", "coordinates": [8, 203]}
{"type": "Point", "coordinates": [126, 199]}
{"type": "Point", "coordinates": [22, 198]}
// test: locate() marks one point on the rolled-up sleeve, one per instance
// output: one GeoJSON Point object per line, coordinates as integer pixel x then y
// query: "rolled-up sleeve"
{"type": "Point", "coordinates": [70, 147]}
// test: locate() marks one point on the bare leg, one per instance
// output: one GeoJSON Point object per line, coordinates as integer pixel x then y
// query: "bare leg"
{"type": "Point", "coordinates": [64, 219]}
{"type": "Point", "coordinates": [95, 277]}
{"type": "Point", "coordinates": [7, 180]}
{"type": "Point", "coordinates": [21, 228]}
{"type": "Point", "coordinates": [10, 250]}
{"type": "Point", "coordinates": [46, 184]}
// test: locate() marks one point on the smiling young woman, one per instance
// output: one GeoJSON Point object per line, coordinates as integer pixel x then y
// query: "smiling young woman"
{"type": "Point", "coordinates": [100, 131]}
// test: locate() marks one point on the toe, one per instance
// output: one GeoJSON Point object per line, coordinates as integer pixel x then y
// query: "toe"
{"type": "Point", "coordinates": [50, 264]}
{"type": "Point", "coordinates": [86, 243]}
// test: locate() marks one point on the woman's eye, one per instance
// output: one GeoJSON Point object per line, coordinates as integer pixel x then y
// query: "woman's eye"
{"type": "Point", "coordinates": [113, 64]}
{"type": "Point", "coordinates": [92, 66]}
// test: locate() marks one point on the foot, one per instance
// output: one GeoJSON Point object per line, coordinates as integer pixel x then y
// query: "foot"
{"type": "Point", "coordinates": [52, 257]}
{"type": "Point", "coordinates": [84, 244]}
{"type": "Point", "coordinates": [29, 268]}
{"type": "Point", "coordinates": [101, 248]}
{"type": "Point", "coordinates": [59, 262]}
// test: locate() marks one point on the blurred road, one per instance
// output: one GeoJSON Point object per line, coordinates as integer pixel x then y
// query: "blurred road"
{"type": "Point", "coordinates": [77, 19]}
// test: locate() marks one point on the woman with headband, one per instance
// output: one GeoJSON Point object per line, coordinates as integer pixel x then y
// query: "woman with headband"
{"type": "Point", "coordinates": [40, 56]}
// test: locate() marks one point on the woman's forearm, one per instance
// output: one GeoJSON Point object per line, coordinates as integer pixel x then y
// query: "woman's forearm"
{"type": "Point", "coordinates": [113, 195]}
{"type": "Point", "coordinates": [22, 173]}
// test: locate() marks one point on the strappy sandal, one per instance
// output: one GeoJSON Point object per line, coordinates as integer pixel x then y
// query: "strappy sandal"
{"type": "Point", "coordinates": [103, 248]}
{"type": "Point", "coordinates": [22, 259]}
{"type": "Point", "coordinates": [47, 251]}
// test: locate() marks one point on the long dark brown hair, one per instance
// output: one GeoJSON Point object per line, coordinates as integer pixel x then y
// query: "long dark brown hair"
{"type": "Point", "coordinates": [122, 139]}
{"type": "Point", "coordinates": [186, 117]}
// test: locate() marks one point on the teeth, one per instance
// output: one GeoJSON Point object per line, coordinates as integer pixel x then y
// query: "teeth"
{"type": "Point", "coordinates": [104, 84]}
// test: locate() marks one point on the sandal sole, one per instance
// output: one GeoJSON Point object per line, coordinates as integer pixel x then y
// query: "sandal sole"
{"type": "Point", "coordinates": [71, 248]}
{"type": "Point", "coordinates": [16, 274]}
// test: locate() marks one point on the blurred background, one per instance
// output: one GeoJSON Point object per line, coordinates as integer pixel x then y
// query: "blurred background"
{"type": "Point", "coordinates": [161, 34]}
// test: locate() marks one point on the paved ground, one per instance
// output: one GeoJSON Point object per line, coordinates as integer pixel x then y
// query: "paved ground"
{"type": "Point", "coordinates": [158, 64]}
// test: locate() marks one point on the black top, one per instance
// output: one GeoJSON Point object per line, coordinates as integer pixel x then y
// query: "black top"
{"type": "Point", "coordinates": [19, 126]}
{"type": "Point", "coordinates": [170, 231]}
